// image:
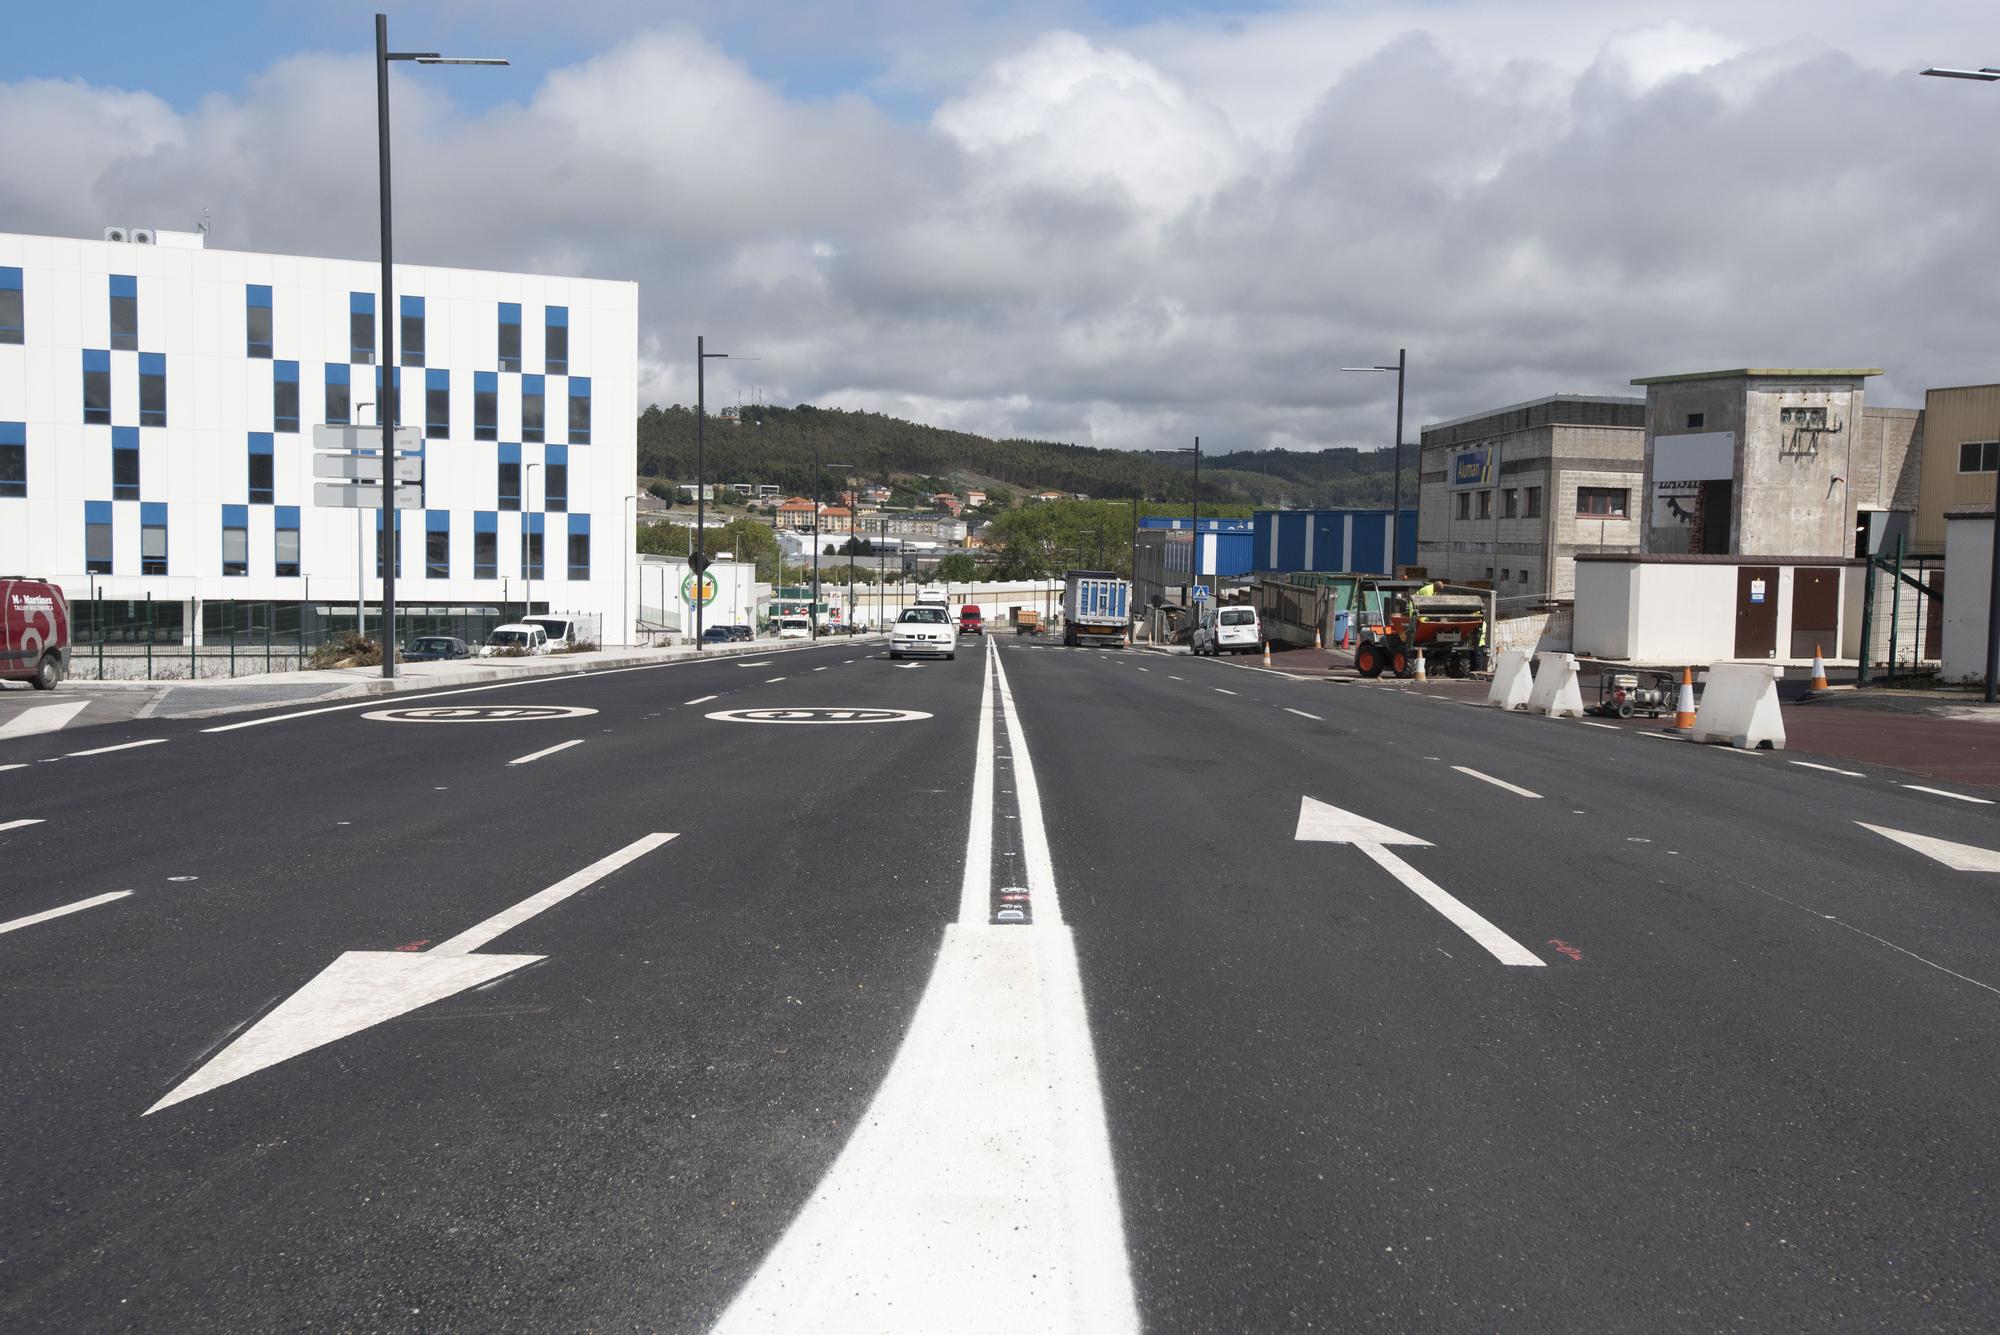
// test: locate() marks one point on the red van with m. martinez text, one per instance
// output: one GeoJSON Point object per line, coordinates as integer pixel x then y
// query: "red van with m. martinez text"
{"type": "Point", "coordinates": [34, 631]}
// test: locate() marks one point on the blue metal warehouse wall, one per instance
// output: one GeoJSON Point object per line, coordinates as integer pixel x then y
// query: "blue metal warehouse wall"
{"type": "Point", "coordinates": [1331, 540]}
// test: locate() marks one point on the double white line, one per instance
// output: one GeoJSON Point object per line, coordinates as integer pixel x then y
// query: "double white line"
{"type": "Point", "coordinates": [977, 1191]}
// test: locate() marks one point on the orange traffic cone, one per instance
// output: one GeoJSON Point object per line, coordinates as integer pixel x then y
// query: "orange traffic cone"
{"type": "Point", "coordinates": [1420, 665]}
{"type": "Point", "coordinates": [1267, 653]}
{"type": "Point", "coordinates": [1684, 707]}
{"type": "Point", "coordinates": [1316, 639]}
{"type": "Point", "coordinates": [1819, 672]}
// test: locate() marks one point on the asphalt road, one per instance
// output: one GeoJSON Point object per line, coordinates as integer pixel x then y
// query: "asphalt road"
{"type": "Point", "coordinates": [376, 1035]}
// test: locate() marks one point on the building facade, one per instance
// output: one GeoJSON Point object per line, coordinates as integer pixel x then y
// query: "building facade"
{"type": "Point", "coordinates": [157, 406]}
{"type": "Point", "coordinates": [1288, 541]}
{"type": "Point", "coordinates": [1509, 497]}
{"type": "Point", "coordinates": [1962, 453]}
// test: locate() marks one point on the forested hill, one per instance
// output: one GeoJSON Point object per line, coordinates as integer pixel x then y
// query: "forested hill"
{"type": "Point", "coordinates": [776, 445]}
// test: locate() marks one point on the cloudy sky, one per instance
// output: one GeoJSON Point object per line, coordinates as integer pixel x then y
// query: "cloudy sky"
{"type": "Point", "coordinates": [1119, 222]}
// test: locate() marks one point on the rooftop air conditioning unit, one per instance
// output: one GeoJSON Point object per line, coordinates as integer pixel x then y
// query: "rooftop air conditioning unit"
{"type": "Point", "coordinates": [141, 236]}
{"type": "Point", "coordinates": [116, 234]}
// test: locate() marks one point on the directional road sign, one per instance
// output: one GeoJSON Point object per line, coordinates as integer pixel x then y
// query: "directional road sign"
{"type": "Point", "coordinates": [365, 496]}
{"type": "Point", "coordinates": [365, 468]}
{"type": "Point", "coordinates": [409, 440]}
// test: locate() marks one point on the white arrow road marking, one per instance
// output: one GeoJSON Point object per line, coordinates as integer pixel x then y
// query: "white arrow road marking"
{"type": "Point", "coordinates": [41, 718]}
{"type": "Point", "coordinates": [365, 987]}
{"type": "Point", "coordinates": [1958, 857]}
{"type": "Point", "coordinates": [78, 907]}
{"type": "Point", "coordinates": [6, 825]}
{"type": "Point", "coordinates": [1330, 824]}
{"type": "Point", "coordinates": [977, 1190]}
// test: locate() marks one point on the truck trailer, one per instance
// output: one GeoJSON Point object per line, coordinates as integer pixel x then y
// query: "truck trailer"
{"type": "Point", "coordinates": [1096, 608]}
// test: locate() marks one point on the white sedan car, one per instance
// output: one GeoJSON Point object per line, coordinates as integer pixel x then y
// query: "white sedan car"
{"type": "Point", "coordinates": [923, 631]}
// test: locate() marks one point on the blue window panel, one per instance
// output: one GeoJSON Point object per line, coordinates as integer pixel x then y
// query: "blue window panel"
{"type": "Point", "coordinates": [152, 538]}
{"type": "Point", "coordinates": [236, 540]}
{"type": "Point", "coordinates": [579, 410]}
{"type": "Point", "coordinates": [533, 522]}
{"type": "Point", "coordinates": [559, 317]}
{"type": "Point", "coordinates": [97, 537]}
{"type": "Point", "coordinates": [485, 544]}
{"type": "Point", "coordinates": [411, 337]}
{"type": "Point", "coordinates": [579, 546]}
{"type": "Point", "coordinates": [531, 545]}
{"type": "Point", "coordinates": [263, 466]}
{"type": "Point", "coordinates": [10, 281]}
{"type": "Point", "coordinates": [485, 405]}
{"type": "Point", "coordinates": [510, 335]}
{"type": "Point", "coordinates": [533, 407]}
{"type": "Point", "coordinates": [124, 463]}
{"type": "Point", "coordinates": [124, 285]}
{"type": "Point", "coordinates": [285, 397]}
{"type": "Point", "coordinates": [437, 404]}
{"type": "Point", "coordinates": [152, 389]}
{"type": "Point", "coordinates": [285, 534]}
{"type": "Point", "coordinates": [485, 521]}
{"type": "Point", "coordinates": [96, 387]}
{"type": "Point", "coordinates": [13, 459]}
{"type": "Point", "coordinates": [339, 394]}
{"type": "Point", "coordinates": [555, 340]}
{"type": "Point", "coordinates": [257, 319]}
{"type": "Point", "coordinates": [257, 294]}
{"type": "Point", "coordinates": [286, 516]}
{"type": "Point", "coordinates": [97, 512]}
{"type": "Point", "coordinates": [555, 479]}
{"type": "Point", "coordinates": [508, 478]}
{"type": "Point", "coordinates": [437, 544]}
{"type": "Point", "coordinates": [124, 312]}
{"type": "Point", "coordinates": [361, 328]}
{"type": "Point", "coordinates": [579, 523]}
{"type": "Point", "coordinates": [12, 317]}
{"type": "Point", "coordinates": [437, 521]}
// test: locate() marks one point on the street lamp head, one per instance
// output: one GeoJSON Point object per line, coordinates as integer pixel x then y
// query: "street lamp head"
{"type": "Point", "coordinates": [457, 60]}
{"type": "Point", "coordinates": [1371, 368]}
{"type": "Point", "coordinates": [1987, 74]}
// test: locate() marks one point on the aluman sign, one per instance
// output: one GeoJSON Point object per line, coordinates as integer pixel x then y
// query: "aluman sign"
{"type": "Point", "coordinates": [698, 590]}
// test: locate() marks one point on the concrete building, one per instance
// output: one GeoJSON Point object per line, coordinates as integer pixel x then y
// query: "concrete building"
{"type": "Point", "coordinates": [1962, 451]}
{"type": "Point", "coordinates": [157, 406]}
{"type": "Point", "coordinates": [1510, 496]}
{"type": "Point", "coordinates": [1168, 557]}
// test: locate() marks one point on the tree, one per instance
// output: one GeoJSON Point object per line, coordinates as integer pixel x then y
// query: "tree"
{"type": "Point", "coordinates": [958, 568]}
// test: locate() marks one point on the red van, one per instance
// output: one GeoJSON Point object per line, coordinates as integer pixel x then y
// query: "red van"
{"type": "Point", "coordinates": [34, 631]}
{"type": "Point", "coordinates": [969, 620]}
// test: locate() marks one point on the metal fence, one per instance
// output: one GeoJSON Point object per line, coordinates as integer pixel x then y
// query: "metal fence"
{"type": "Point", "coordinates": [147, 640]}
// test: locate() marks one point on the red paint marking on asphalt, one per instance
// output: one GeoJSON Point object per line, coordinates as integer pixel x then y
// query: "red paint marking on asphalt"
{"type": "Point", "coordinates": [415, 945]}
{"type": "Point", "coordinates": [1565, 948]}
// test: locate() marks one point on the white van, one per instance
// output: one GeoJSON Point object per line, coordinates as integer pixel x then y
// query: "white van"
{"type": "Point", "coordinates": [1231, 630]}
{"type": "Point", "coordinates": [561, 632]}
{"type": "Point", "coordinates": [794, 628]}
{"type": "Point", "coordinates": [515, 638]}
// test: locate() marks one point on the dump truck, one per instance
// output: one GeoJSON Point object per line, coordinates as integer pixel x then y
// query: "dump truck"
{"type": "Point", "coordinates": [1397, 618]}
{"type": "Point", "coordinates": [1027, 621]}
{"type": "Point", "coordinates": [1096, 607]}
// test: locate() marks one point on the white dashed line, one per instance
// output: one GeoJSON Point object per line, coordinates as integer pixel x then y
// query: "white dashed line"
{"type": "Point", "coordinates": [107, 750]}
{"type": "Point", "coordinates": [547, 751]}
{"type": "Point", "coordinates": [6, 825]}
{"type": "Point", "coordinates": [1939, 792]}
{"type": "Point", "coordinates": [1219, 691]}
{"type": "Point", "coordinates": [769, 680]}
{"type": "Point", "coordinates": [1497, 783]}
{"type": "Point", "coordinates": [1588, 724]}
{"type": "Point", "coordinates": [1850, 773]}
{"type": "Point", "coordinates": [701, 699]}
{"type": "Point", "coordinates": [78, 907]}
{"type": "Point", "coordinates": [1302, 714]}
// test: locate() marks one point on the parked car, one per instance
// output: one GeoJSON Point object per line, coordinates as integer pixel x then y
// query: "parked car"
{"type": "Point", "coordinates": [1227, 630]}
{"type": "Point", "coordinates": [515, 637]}
{"type": "Point", "coordinates": [562, 631]}
{"type": "Point", "coordinates": [969, 620]}
{"type": "Point", "coordinates": [740, 632]}
{"type": "Point", "coordinates": [717, 635]}
{"type": "Point", "coordinates": [434, 648]}
{"type": "Point", "coordinates": [794, 628]}
{"type": "Point", "coordinates": [923, 631]}
{"type": "Point", "coordinates": [34, 632]}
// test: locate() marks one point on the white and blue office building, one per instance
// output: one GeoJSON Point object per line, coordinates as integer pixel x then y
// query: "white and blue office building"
{"type": "Point", "coordinates": [157, 405]}
{"type": "Point", "coordinates": [1357, 541]}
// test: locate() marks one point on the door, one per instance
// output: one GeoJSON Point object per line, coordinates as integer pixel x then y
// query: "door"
{"type": "Point", "coordinates": [1815, 610]}
{"type": "Point", "coordinates": [1756, 611]}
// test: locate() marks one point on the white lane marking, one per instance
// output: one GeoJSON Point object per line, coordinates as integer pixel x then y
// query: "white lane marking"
{"type": "Point", "coordinates": [701, 699]}
{"type": "Point", "coordinates": [762, 662]}
{"type": "Point", "coordinates": [546, 751]}
{"type": "Point", "coordinates": [6, 825]}
{"type": "Point", "coordinates": [1588, 724]}
{"type": "Point", "coordinates": [1172, 677]}
{"type": "Point", "coordinates": [1939, 792]}
{"type": "Point", "coordinates": [46, 914]}
{"type": "Point", "coordinates": [1497, 783]}
{"type": "Point", "coordinates": [107, 750]}
{"type": "Point", "coordinates": [978, 1186]}
{"type": "Point", "coordinates": [1659, 736]}
{"type": "Point", "coordinates": [5, 768]}
{"type": "Point", "coordinates": [1879, 940]}
{"type": "Point", "coordinates": [1958, 857]}
{"type": "Point", "coordinates": [472, 938]}
{"type": "Point", "coordinates": [1143, 669]}
{"type": "Point", "coordinates": [975, 888]}
{"type": "Point", "coordinates": [769, 680]}
{"type": "Point", "coordinates": [1850, 773]}
{"type": "Point", "coordinates": [823, 667]}
{"type": "Point", "coordinates": [1219, 691]}
{"type": "Point", "coordinates": [845, 661]}
{"type": "Point", "coordinates": [1302, 714]}
{"type": "Point", "coordinates": [41, 718]}
{"type": "Point", "coordinates": [907, 666]}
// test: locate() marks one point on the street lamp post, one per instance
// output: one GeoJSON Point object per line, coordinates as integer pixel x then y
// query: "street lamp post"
{"type": "Point", "coordinates": [527, 513]}
{"type": "Point", "coordinates": [1986, 74]}
{"type": "Point", "coordinates": [818, 470]}
{"type": "Point", "coordinates": [1396, 512]}
{"type": "Point", "coordinates": [1194, 520]}
{"type": "Point", "coordinates": [625, 575]}
{"type": "Point", "coordinates": [386, 542]}
{"type": "Point", "coordinates": [698, 558]}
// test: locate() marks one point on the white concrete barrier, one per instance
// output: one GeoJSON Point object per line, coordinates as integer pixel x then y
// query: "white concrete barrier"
{"type": "Point", "coordinates": [1739, 705]}
{"type": "Point", "coordinates": [1556, 693]}
{"type": "Point", "coordinates": [1513, 680]}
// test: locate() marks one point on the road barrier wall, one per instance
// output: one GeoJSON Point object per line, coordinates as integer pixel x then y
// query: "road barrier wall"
{"type": "Point", "coordinates": [1556, 692]}
{"type": "Point", "coordinates": [1513, 680]}
{"type": "Point", "coordinates": [1739, 706]}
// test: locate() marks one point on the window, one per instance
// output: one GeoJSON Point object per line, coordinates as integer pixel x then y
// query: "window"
{"type": "Point", "coordinates": [339, 394]}
{"type": "Point", "coordinates": [486, 544]}
{"type": "Point", "coordinates": [1602, 502]}
{"type": "Point", "coordinates": [1534, 502]}
{"type": "Point", "coordinates": [412, 334]}
{"type": "Point", "coordinates": [12, 319]}
{"type": "Point", "coordinates": [97, 537]}
{"type": "Point", "coordinates": [261, 466]}
{"type": "Point", "coordinates": [96, 387]}
{"type": "Point", "coordinates": [285, 396]}
{"type": "Point", "coordinates": [1465, 505]}
{"type": "Point", "coordinates": [555, 341]}
{"type": "Point", "coordinates": [285, 549]}
{"type": "Point", "coordinates": [1485, 505]}
{"type": "Point", "coordinates": [1979, 456]}
{"type": "Point", "coordinates": [555, 478]}
{"type": "Point", "coordinates": [1696, 421]}
{"type": "Point", "coordinates": [485, 405]}
{"type": "Point", "coordinates": [531, 546]}
{"type": "Point", "coordinates": [1510, 507]}
{"type": "Point", "coordinates": [153, 389]}
{"type": "Point", "coordinates": [256, 320]}
{"type": "Point", "coordinates": [124, 463]}
{"type": "Point", "coordinates": [395, 542]}
{"type": "Point", "coordinates": [361, 328]}
{"type": "Point", "coordinates": [437, 544]}
{"type": "Point", "coordinates": [531, 407]}
{"type": "Point", "coordinates": [1506, 575]}
{"type": "Point", "coordinates": [13, 459]}
{"type": "Point", "coordinates": [437, 405]}
{"type": "Point", "coordinates": [124, 313]}
{"type": "Point", "coordinates": [579, 410]}
{"type": "Point", "coordinates": [510, 335]}
{"type": "Point", "coordinates": [579, 546]}
{"type": "Point", "coordinates": [235, 539]}
{"type": "Point", "coordinates": [508, 486]}
{"type": "Point", "coordinates": [153, 538]}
